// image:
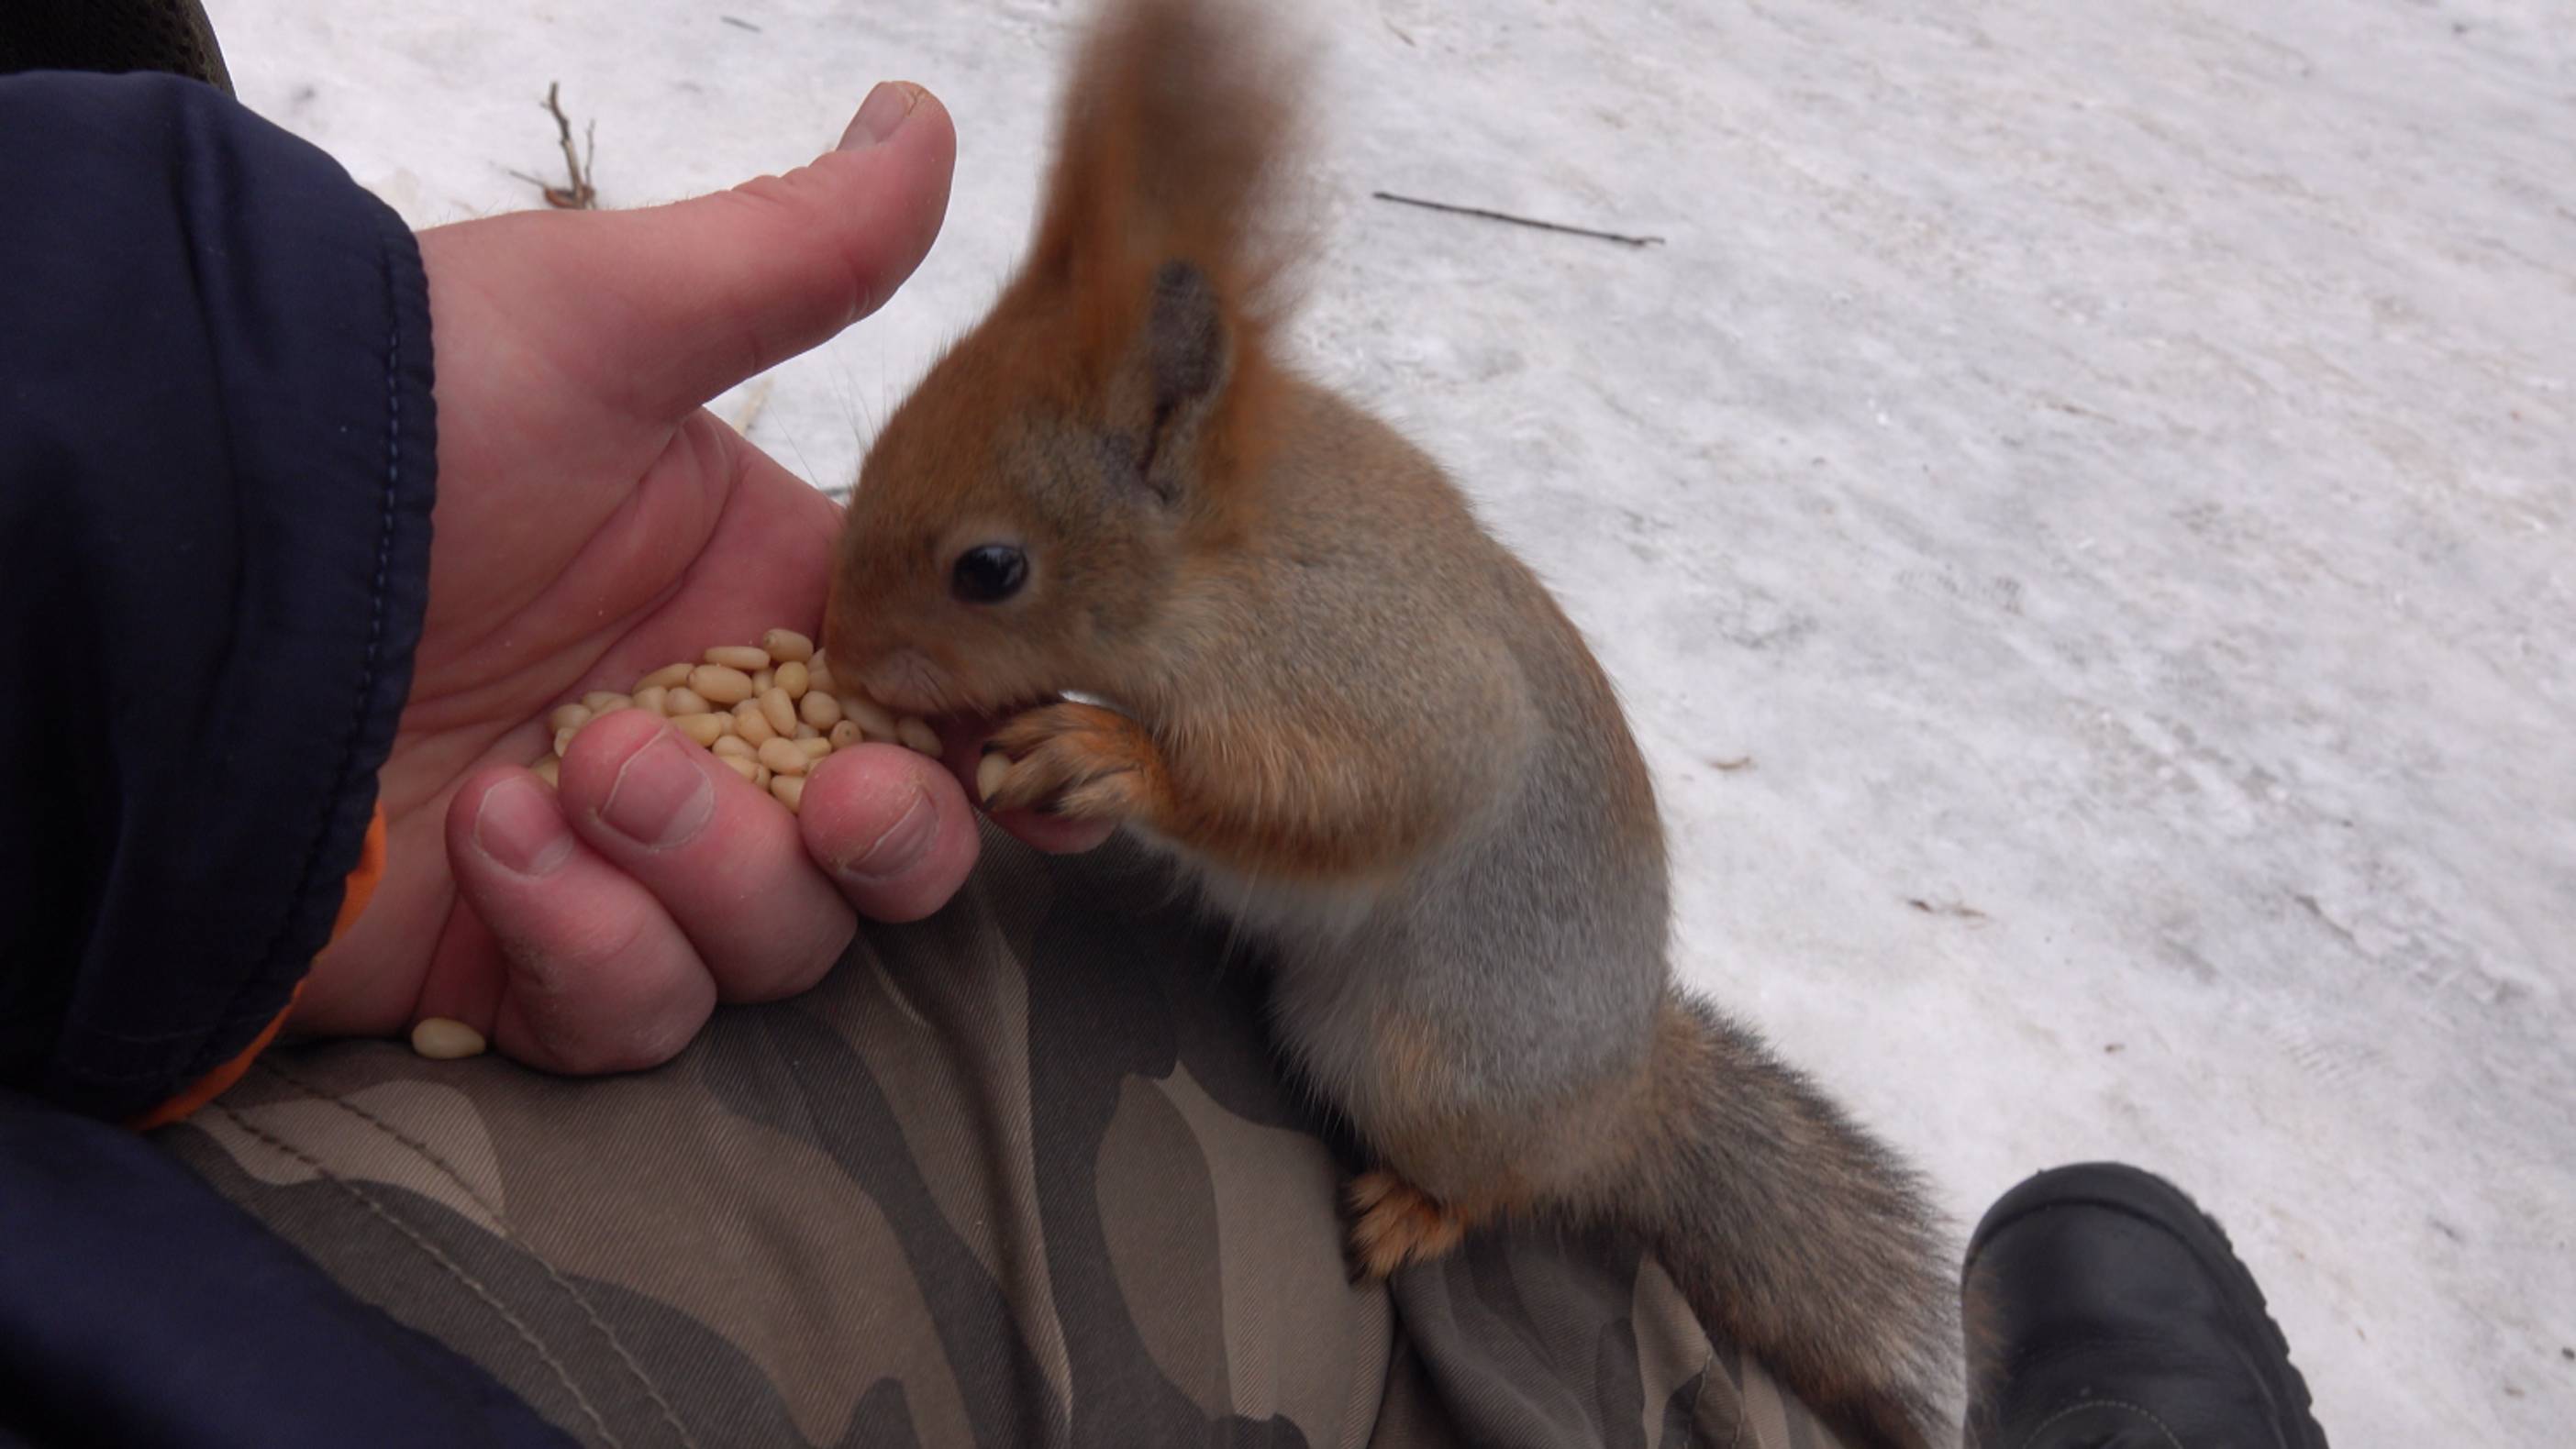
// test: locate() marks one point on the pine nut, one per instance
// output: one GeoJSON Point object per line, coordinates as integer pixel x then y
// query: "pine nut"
{"type": "Point", "coordinates": [780, 709]}
{"type": "Point", "coordinates": [720, 684]}
{"type": "Point", "coordinates": [918, 735]}
{"type": "Point", "coordinates": [769, 711]}
{"type": "Point", "coordinates": [877, 724]}
{"type": "Point", "coordinates": [990, 773]}
{"type": "Point", "coordinates": [703, 727]}
{"type": "Point", "coordinates": [445, 1039]}
{"type": "Point", "coordinates": [743, 657]}
{"type": "Point", "coordinates": [790, 791]}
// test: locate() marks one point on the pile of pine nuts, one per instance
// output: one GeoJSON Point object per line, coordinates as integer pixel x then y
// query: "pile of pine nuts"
{"type": "Point", "coordinates": [769, 710]}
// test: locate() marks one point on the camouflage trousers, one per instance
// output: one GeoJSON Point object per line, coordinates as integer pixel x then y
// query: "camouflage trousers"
{"type": "Point", "coordinates": [1022, 1174]}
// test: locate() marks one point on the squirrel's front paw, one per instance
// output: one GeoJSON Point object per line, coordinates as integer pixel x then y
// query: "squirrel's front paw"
{"type": "Point", "coordinates": [1075, 760]}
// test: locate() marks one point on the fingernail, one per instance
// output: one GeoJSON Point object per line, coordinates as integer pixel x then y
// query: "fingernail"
{"type": "Point", "coordinates": [661, 798]}
{"type": "Point", "coordinates": [518, 828]}
{"type": "Point", "coordinates": [881, 115]}
{"type": "Point", "coordinates": [902, 845]}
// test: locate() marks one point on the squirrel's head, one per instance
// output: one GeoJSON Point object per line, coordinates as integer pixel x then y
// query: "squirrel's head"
{"type": "Point", "coordinates": [1028, 516]}
{"type": "Point", "coordinates": [1020, 523]}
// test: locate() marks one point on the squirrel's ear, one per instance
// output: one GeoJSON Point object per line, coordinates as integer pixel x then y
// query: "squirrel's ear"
{"type": "Point", "coordinates": [1185, 341]}
{"type": "Point", "coordinates": [1175, 378]}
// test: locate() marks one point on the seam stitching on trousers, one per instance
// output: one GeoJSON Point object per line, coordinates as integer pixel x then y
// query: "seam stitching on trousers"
{"type": "Point", "coordinates": [427, 1154]}
{"type": "Point", "coordinates": [431, 1250]}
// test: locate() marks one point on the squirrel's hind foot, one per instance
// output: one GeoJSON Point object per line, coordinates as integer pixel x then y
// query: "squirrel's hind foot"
{"type": "Point", "coordinates": [1393, 1223]}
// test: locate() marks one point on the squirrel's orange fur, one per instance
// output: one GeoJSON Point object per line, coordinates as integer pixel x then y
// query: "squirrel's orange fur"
{"type": "Point", "coordinates": [1366, 730]}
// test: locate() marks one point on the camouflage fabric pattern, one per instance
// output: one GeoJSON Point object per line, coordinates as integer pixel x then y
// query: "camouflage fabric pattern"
{"type": "Point", "coordinates": [1023, 1174]}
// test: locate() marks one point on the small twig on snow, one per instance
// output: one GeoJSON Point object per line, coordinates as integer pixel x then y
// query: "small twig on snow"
{"type": "Point", "coordinates": [579, 195]}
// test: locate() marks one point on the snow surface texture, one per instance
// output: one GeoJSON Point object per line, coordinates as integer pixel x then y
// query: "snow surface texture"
{"type": "Point", "coordinates": [2105, 469]}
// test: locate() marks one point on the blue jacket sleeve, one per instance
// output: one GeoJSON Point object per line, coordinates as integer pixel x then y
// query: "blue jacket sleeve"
{"type": "Point", "coordinates": [216, 474]}
{"type": "Point", "coordinates": [137, 1307]}
{"type": "Point", "coordinates": [215, 484]}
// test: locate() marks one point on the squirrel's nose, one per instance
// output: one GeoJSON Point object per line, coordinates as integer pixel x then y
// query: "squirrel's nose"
{"type": "Point", "coordinates": [905, 679]}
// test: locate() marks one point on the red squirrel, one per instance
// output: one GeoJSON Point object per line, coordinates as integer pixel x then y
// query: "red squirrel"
{"type": "Point", "coordinates": [1364, 728]}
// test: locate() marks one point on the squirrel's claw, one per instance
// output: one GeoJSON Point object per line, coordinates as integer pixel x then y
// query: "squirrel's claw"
{"type": "Point", "coordinates": [1076, 760]}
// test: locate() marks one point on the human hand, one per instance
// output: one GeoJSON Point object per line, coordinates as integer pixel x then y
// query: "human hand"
{"type": "Point", "coordinates": [593, 523]}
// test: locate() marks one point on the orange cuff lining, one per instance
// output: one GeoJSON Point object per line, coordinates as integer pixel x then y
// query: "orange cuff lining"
{"type": "Point", "coordinates": [356, 891]}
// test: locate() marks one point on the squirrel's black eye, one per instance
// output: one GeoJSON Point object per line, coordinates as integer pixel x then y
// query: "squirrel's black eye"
{"type": "Point", "coordinates": [989, 573]}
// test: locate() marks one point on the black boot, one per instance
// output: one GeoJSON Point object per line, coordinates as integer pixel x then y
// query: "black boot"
{"type": "Point", "coordinates": [2106, 1311]}
{"type": "Point", "coordinates": [112, 36]}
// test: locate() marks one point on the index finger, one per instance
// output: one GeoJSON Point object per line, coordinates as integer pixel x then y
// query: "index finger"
{"type": "Point", "coordinates": [721, 858]}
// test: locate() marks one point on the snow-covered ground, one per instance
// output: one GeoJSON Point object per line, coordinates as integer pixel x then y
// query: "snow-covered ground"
{"type": "Point", "coordinates": [2106, 468]}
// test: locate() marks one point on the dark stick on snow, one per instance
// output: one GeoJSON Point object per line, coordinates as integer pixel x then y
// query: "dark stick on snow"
{"type": "Point", "coordinates": [1620, 237]}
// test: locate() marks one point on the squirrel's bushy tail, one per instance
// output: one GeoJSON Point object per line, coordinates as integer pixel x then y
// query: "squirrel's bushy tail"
{"type": "Point", "coordinates": [1794, 1235]}
{"type": "Point", "coordinates": [1179, 139]}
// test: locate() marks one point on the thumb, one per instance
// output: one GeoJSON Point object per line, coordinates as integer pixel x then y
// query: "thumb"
{"type": "Point", "coordinates": [680, 302]}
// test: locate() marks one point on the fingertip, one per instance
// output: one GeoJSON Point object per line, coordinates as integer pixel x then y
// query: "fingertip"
{"type": "Point", "coordinates": [719, 853]}
{"type": "Point", "coordinates": [631, 781]}
{"type": "Point", "coordinates": [901, 112]}
{"type": "Point", "coordinates": [601, 748]}
{"type": "Point", "coordinates": [468, 799]}
{"type": "Point", "coordinates": [962, 739]}
{"type": "Point", "coordinates": [505, 821]}
{"type": "Point", "coordinates": [1056, 834]}
{"type": "Point", "coordinates": [891, 828]}
{"type": "Point", "coordinates": [900, 185]}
